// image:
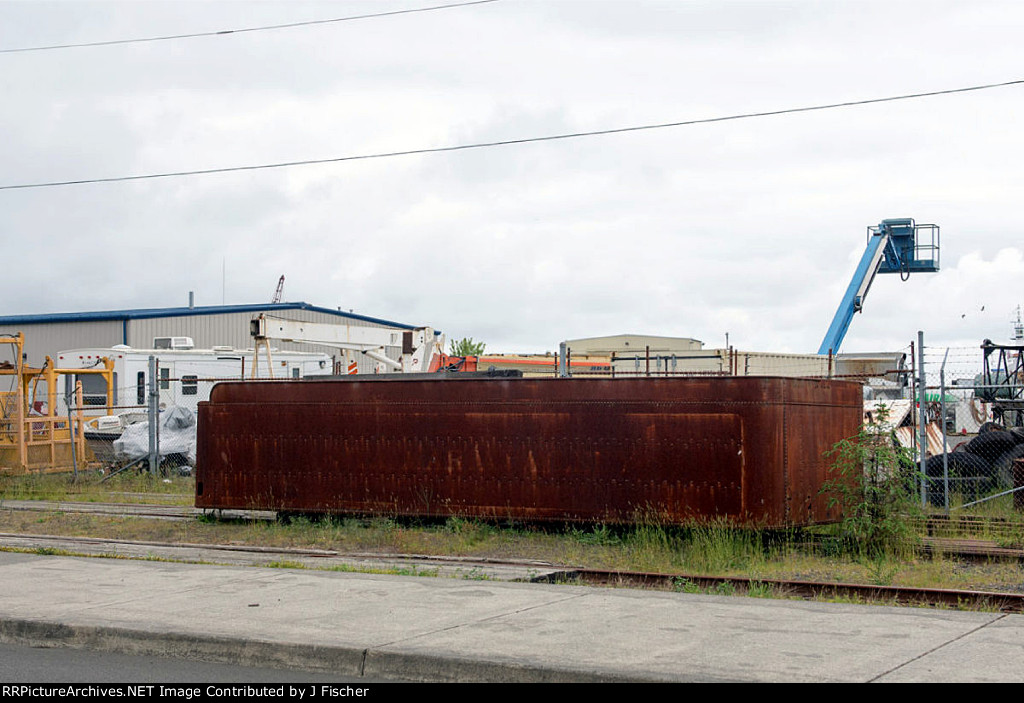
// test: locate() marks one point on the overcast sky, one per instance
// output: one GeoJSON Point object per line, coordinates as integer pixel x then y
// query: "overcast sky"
{"type": "Point", "coordinates": [750, 227]}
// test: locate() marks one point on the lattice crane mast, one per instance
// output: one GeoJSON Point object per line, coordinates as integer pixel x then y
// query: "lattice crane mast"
{"type": "Point", "coordinates": [277, 293]}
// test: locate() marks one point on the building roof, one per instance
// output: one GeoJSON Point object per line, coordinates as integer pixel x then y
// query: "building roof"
{"type": "Point", "coordinates": [633, 342]}
{"type": "Point", "coordinates": [150, 313]}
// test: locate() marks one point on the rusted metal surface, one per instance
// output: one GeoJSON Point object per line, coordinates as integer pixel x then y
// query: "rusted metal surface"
{"type": "Point", "coordinates": [596, 450]}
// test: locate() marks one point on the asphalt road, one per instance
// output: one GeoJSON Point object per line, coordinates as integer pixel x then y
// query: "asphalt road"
{"type": "Point", "coordinates": [369, 626]}
{"type": "Point", "coordinates": [22, 664]}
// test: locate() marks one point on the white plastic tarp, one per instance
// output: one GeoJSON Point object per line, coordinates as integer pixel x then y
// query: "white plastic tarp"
{"type": "Point", "coordinates": [177, 436]}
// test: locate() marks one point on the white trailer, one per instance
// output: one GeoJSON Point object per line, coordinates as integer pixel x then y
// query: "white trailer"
{"type": "Point", "coordinates": [186, 375]}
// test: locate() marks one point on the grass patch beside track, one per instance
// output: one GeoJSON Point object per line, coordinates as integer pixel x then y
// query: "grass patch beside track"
{"type": "Point", "coordinates": [129, 487]}
{"type": "Point", "coordinates": [708, 550]}
{"type": "Point", "coordinates": [712, 549]}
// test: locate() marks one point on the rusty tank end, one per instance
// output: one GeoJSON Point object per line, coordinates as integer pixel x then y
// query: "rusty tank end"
{"type": "Point", "coordinates": [748, 449]}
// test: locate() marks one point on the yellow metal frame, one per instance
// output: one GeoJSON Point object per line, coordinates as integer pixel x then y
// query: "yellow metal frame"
{"type": "Point", "coordinates": [31, 441]}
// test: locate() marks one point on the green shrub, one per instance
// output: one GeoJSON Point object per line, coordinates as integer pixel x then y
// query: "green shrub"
{"type": "Point", "coordinates": [872, 480]}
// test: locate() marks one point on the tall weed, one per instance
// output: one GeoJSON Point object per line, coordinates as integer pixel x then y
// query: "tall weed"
{"type": "Point", "coordinates": [719, 547]}
{"type": "Point", "coordinates": [872, 482]}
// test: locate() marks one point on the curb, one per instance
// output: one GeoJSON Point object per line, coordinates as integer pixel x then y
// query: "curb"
{"type": "Point", "coordinates": [346, 661]}
{"type": "Point", "coordinates": [221, 650]}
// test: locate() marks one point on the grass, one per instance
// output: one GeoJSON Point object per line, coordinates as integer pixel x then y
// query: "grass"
{"type": "Point", "coordinates": [706, 550]}
{"type": "Point", "coordinates": [393, 571]}
{"type": "Point", "coordinates": [284, 564]}
{"type": "Point", "coordinates": [710, 549]}
{"type": "Point", "coordinates": [760, 590]}
{"type": "Point", "coordinates": [721, 548]}
{"type": "Point", "coordinates": [129, 487]}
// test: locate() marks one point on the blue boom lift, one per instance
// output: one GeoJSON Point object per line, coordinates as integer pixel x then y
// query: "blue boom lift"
{"type": "Point", "coordinates": [894, 246]}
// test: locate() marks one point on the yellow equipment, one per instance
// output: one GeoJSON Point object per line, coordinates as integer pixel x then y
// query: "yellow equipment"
{"type": "Point", "coordinates": [33, 436]}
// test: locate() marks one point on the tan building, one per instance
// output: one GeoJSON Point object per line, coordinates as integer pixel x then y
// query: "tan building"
{"type": "Point", "coordinates": [620, 344]}
{"type": "Point", "coordinates": [632, 354]}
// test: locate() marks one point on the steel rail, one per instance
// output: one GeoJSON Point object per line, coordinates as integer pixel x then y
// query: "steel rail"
{"type": "Point", "coordinates": [817, 590]}
{"type": "Point", "coordinates": [967, 548]}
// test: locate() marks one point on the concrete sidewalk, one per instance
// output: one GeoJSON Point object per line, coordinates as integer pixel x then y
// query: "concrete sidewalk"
{"type": "Point", "coordinates": [439, 629]}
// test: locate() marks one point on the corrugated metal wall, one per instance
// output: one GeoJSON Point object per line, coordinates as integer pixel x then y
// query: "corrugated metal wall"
{"type": "Point", "coordinates": [232, 329]}
{"type": "Point", "coordinates": [227, 329]}
{"type": "Point", "coordinates": [740, 363]}
{"type": "Point", "coordinates": [46, 339]}
{"type": "Point", "coordinates": [768, 364]}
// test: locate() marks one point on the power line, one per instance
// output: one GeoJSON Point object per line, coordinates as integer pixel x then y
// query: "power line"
{"type": "Point", "coordinates": [510, 142]}
{"type": "Point", "coordinates": [223, 32]}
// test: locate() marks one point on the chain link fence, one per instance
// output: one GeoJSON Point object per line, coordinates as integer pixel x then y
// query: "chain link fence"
{"type": "Point", "coordinates": [884, 374]}
{"type": "Point", "coordinates": [964, 405]}
{"type": "Point", "coordinates": [973, 398]}
{"type": "Point", "coordinates": [126, 436]}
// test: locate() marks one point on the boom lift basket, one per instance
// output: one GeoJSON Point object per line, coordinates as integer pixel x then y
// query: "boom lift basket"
{"type": "Point", "coordinates": [912, 248]}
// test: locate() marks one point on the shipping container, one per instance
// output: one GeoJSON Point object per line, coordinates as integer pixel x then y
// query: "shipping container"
{"type": "Point", "coordinates": [750, 450]}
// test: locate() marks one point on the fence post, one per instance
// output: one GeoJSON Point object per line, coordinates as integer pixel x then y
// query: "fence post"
{"type": "Point", "coordinates": [942, 424]}
{"type": "Point", "coordinates": [1018, 485]}
{"type": "Point", "coordinates": [563, 361]}
{"type": "Point", "coordinates": [71, 427]}
{"type": "Point", "coordinates": [154, 417]}
{"type": "Point", "coordinates": [923, 415]}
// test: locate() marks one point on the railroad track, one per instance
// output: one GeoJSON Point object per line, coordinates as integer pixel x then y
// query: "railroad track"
{"type": "Point", "coordinates": [942, 525]}
{"type": "Point", "coordinates": [965, 548]}
{"type": "Point", "coordinates": [516, 570]}
{"type": "Point", "coordinates": [146, 510]}
{"type": "Point", "coordinates": [811, 590]}
{"type": "Point", "coordinates": [283, 557]}
{"type": "Point", "coordinates": [513, 570]}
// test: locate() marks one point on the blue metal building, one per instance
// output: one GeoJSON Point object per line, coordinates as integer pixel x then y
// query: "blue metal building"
{"type": "Point", "coordinates": [208, 326]}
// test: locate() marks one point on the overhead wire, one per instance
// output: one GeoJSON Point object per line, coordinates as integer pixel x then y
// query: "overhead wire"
{"type": "Point", "coordinates": [224, 32]}
{"type": "Point", "coordinates": [511, 142]}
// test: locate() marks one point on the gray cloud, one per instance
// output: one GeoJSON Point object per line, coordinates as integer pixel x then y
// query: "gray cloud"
{"type": "Point", "coordinates": [749, 227]}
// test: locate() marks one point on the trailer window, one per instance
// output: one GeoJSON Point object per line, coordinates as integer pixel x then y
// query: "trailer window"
{"type": "Point", "coordinates": [140, 388]}
{"type": "Point", "coordinates": [94, 388]}
{"type": "Point", "coordinates": [189, 385]}
{"type": "Point", "coordinates": [165, 379]}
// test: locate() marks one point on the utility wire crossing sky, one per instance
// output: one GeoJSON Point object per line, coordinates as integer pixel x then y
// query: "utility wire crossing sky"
{"type": "Point", "coordinates": [225, 32]}
{"type": "Point", "coordinates": [510, 142]}
{"type": "Point", "coordinates": [741, 224]}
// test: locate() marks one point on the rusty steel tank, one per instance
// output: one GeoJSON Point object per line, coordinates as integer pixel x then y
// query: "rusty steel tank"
{"type": "Point", "coordinates": [750, 450]}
